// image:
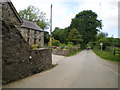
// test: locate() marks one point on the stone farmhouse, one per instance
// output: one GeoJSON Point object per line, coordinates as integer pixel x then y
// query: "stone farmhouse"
{"type": "Point", "coordinates": [32, 33]}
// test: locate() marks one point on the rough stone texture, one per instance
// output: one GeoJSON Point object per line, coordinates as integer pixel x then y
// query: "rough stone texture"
{"type": "Point", "coordinates": [16, 52]}
{"type": "Point", "coordinates": [64, 52]}
{"type": "Point", "coordinates": [9, 15]}
{"type": "Point", "coordinates": [12, 18]}
{"type": "Point", "coordinates": [42, 39]}
{"type": "Point", "coordinates": [61, 52]}
{"type": "Point", "coordinates": [45, 55]}
{"type": "Point", "coordinates": [16, 56]}
{"type": "Point", "coordinates": [29, 33]}
{"type": "Point", "coordinates": [0, 46]}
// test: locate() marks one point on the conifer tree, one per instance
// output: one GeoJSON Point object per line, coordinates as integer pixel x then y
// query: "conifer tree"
{"type": "Point", "coordinates": [74, 36]}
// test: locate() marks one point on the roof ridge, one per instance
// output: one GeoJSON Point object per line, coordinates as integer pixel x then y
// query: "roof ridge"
{"type": "Point", "coordinates": [31, 25]}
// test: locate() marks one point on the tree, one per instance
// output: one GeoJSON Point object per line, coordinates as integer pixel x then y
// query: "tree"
{"type": "Point", "coordinates": [105, 41]}
{"type": "Point", "coordinates": [54, 42]}
{"type": "Point", "coordinates": [74, 36]}
{"type": "Point", "coordinates": [46, 37]}
{"type": "Point", "coordinates": [61, 34]}
{"type": "Point", "coordinates": [116, 42]}
{"type": "Point", "coordinates": [33, 14]}
{"type": "Point", "coordinates": [87, 24]}
{"type": "Point", "coordinates": [56, 32]}
{"type": "Point", "coordinates": [29, 13]}
{"type": "Point", "coordinates": [43, 24]}
{"type": "Point", "coordinates": [101, 35]}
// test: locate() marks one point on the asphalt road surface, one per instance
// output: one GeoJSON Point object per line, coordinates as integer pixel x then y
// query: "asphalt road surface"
{"type": "Point", "coordinates": [84, 70]}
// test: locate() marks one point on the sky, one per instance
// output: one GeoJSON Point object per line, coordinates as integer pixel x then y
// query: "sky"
{"type": "Point", "coordinates": [65, 10]}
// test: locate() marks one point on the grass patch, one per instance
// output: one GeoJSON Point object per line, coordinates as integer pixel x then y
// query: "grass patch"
{"type": "Point", "coordinates": [107, 55]}
{"type": "Point", "coordinates": [73, 53]}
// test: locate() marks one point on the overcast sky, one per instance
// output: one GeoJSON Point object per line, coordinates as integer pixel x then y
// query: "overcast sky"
{"type": "Point", "coordinates": [65, 10]}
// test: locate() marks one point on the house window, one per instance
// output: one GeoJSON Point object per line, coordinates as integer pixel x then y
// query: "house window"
{"type": "Point", "coordinates": [28, 39]}
{"type": "Point", "coordinates": [34, 40]}
{"type": "Point", "coordinates": [28, 36]}
{"type": "Point", "coordinates": [28, 33]}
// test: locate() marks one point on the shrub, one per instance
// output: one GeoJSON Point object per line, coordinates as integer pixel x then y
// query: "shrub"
{"type": "Point", "coordinates": [62, 45]}
{"type": "Point", "coordinates": [35, 46]}
{"type": "Point", "coordinates": [105, 41]}
{"type": "Point", "coordinates": [74, 36]}
{"type": "Point", "coordinates": [77, 46]}
{"type": "Point", "coordinates": [54, 42]}
{"type": "Point", "coordinates": [70, 44]}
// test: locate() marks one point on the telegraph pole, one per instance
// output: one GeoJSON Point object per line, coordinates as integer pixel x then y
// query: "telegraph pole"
{"type": "Point", "coordinates": [51, 27]}
{"type": "Point", "coordinates": [100, 13]}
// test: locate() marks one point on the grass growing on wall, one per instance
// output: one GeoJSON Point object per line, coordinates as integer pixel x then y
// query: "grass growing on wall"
{"type": "Point", "coordinates": [107, 55]}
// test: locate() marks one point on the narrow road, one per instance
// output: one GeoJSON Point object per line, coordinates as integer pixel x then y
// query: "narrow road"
{"type": "Point", "coordinates": [84, 70]}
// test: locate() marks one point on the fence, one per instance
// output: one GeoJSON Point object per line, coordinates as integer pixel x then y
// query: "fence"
{"type": "Point", "coordinates": [114, 50]}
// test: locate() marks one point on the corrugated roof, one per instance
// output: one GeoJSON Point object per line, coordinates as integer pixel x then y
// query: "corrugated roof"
{"type": "Point", "coordinates": [31, 25]}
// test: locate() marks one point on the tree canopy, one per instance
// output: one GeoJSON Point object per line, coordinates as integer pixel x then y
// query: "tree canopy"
{"type": "Point", "coordinates": [61, 34]}
{"type": "Point", "coordinates": [74, 36]}
{"type": "Point", "coordinates": [33, 14]}
{"type": "Point", "coordinates": [101, 35]}
{"type": "Point", "coordinates": [87, 24]}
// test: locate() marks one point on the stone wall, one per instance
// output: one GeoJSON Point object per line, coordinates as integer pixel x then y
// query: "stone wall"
{"type": "Point", "coordinates": [8, 14]}
{"type": "Point", "coordinates": [66, 51]}
{"type": "Point", "coordinates": [42, 39]}
{"type": "Point", "coordinates": [61, 52]}
{"type": "Point", "coordinates": [16, 53]}
{"type": "Point", "coordinates": [18, 59]}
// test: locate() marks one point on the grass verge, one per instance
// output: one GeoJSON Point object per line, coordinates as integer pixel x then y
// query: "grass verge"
{"type": "Point", "coordinates": [73, 53]}
{"type": "Point", "coordinates": [107, 55]}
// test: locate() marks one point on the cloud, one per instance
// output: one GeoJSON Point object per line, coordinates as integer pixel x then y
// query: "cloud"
{"type": "Point", "coordinates": [65, 10]}
{"type": "Point", "coordinates": [107, 11]}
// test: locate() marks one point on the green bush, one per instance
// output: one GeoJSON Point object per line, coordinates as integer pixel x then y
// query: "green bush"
{"type": "Point", "coordinates": [105, 41]}
{"type": "Point", "coordinates": [70, 44]}
{"type": "Point", "coordinates": [35, 46]}
{"type": "Point", "coordinates": [78, 45]}
{"type": "Point", "coordinates": [62, 45]}
{"type": "Point", "coordinates": [54, 42]}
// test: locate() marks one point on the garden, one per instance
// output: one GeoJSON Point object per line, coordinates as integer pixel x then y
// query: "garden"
{"type": "Point", "coordinates": [68, 49]}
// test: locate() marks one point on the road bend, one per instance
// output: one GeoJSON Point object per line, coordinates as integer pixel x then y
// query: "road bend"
{"type": "Point", "coordinates": [83, 70]}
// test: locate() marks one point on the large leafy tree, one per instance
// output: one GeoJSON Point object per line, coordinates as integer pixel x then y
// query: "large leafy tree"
{"type": "Point", "coordinates": [61, 34]}
{"type": "Point", "coordinates": [56, 33]}
{"type": "Point", "coordinates": [33, 14]}
{"type": "Point", "coordinates": [74, 36]}
{"type": "Point", "coordinates": [87, 24]}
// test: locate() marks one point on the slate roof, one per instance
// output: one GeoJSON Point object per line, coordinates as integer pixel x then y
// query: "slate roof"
{"type": "Point", "coordinates": [31, 25]}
